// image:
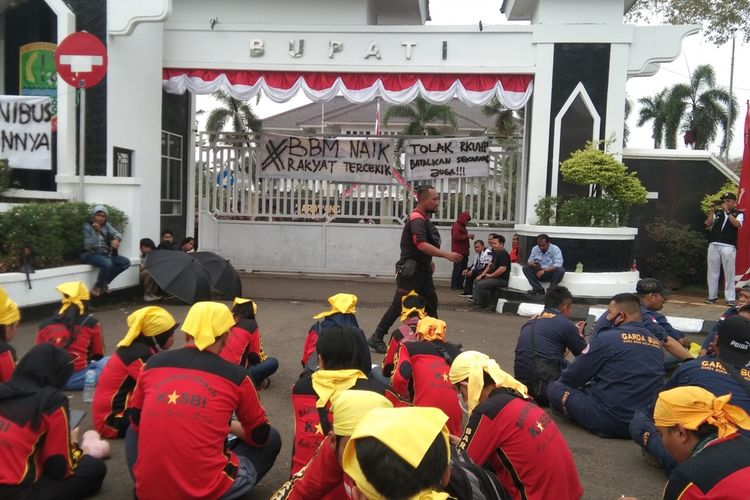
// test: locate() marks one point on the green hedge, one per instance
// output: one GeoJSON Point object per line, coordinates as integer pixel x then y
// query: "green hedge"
{"type": "Point", "coordinates": [54, 230]}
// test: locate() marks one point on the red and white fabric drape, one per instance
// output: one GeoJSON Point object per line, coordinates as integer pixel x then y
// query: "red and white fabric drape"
{"type": "Point", "coordinates": [513, 91]}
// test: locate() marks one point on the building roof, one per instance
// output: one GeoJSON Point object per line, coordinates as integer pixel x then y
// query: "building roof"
{"type": "Point", "coordinates": [339, 111]}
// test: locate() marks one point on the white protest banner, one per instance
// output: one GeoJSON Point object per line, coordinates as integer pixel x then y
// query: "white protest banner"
{"type": "Point", "coordinates": [447, 158]}
{"type": "Point", "coordinates": [336, 159]}
{"type": "Point", "coordinates": [25, 131]}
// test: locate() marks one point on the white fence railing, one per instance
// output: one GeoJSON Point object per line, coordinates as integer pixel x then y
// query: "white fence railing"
{"type": "Point", "coordinates": [227, 178]}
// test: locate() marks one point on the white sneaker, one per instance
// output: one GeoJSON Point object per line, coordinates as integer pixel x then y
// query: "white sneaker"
{"type": "Point", "coordinates": [149, 297]}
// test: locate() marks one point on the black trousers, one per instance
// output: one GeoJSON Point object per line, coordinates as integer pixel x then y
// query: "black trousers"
{"type": "Point", "coordinates": [421, 283]}
{"type": "Point", "coordinates": [87, 480]}
{"type": "Point", "coordinates": [457, 278]}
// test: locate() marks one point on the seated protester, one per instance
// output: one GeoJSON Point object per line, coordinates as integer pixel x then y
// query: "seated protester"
{"type": "Point", "coordinates": [743, 298]}
{"type": "Point", "coordinates": [188, 245]}
{"type": "Point", "coordinates": [652, 297]}
{"type": "Point", "coordinates": [725, 374]}
{"type": "Point", "coordinates": [699, 430]}
{"type": "Point", "coordinates": [514, 248]}
{"type": "Point", "coordinates": [151, 289]}
{"type": "Point", "coordinates": [323, 476]}
{"type": "Point", "coordinates": [76, 331]}
{"type": "Point", "coordinates": [341, 313]}
{"type": "Point", "coordinates": [340, 352]}
{"type": "Point", "coordinates": [180, 413]}
{"type": "Point", "coordinates": [540, 350]}
{"type": "Point", "coordinates": [10, 316]}
{"type": "Point", "coordinates": [398, 453]}
{"type": "Point", "coordinates": [412, 310]}
{"type": "Point", "coordinates": [167, 241]}
{"type": "Point", "coordinates": [149, 330]}
{"type": "Point", "coordinates": [245, 347]}
{"type": "Point", "coordinates": [511, 435]}
{"type": "Point", "coordinates": [545, 264]}
{"type": "Point", "coordinates": [496, 275]}
{"type": "Point", "coordinates": [101, 243]}
{"type": "Point", "coordinates": [482, 258]}
{"type": "Point", "coordinates": [618, 373]}
{"type": "Point", "coordinates": [40, 460]}
{"type": "Point", "coordinates": [421, 373]}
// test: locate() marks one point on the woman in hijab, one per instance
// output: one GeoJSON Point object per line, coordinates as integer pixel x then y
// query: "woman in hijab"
{"type": "Point", "coordinates": [149, 330]}
{"type": "Point", "coordinates": [76, 331]}
{"type": "Point", "coordinates": [39, 459]}
{"type": "Point", "coordinates": [10, 316]}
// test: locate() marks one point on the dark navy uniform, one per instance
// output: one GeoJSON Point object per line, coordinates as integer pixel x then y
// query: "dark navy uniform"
{"type": "Point", "coordinates": [706, 372]}
{"type": "Point", "coordinates": [655, 322]}
{"type": "Point", "coordinates": [732, 311]}
{"type": "Point", "coordinates": [619, 372]}
{"type": "Point", "coordinates": [553, 333]}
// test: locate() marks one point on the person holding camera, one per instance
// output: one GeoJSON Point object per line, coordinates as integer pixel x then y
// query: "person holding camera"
{"type": "Point", "coordinates": [723, 223]}
{"type": "Point", "coordinates": [420, 242]}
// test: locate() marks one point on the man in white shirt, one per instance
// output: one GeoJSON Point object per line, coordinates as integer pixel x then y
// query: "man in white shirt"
{"type": "Point", "coordinates": [482, 257]}
{"type": "Point", "coordinates": [723, 223]}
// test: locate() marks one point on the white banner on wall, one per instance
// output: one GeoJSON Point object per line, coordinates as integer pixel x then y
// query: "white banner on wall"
{"type": "Point", "coordinates": [336, 159]}
{"type": "Point", "coordinates": [26, 132]}
{"type": "Point", "coordinates": [447, 158]}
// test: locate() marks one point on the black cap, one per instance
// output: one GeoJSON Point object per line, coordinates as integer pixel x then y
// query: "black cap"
{"type": "Point", "coordinates": [728, 196]}
{"type": "Point", "coordinates": [734, 341]}
{"type": "Point", "coordinates": [650, 285]}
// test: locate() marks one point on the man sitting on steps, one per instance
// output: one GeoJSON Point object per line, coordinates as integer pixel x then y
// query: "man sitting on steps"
{"type": "Point", "coordinates": [545, 264]}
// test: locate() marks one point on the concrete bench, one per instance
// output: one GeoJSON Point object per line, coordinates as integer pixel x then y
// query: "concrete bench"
{"type": "Point", "coordinates": [583, 285]}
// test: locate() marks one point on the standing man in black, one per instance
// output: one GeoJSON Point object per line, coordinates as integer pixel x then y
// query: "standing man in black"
{"type": "Point", "coordinates": [420, 242]}
{"type": "Point", "coordinates": [723, 223]}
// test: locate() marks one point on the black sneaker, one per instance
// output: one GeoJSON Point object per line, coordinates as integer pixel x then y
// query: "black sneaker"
{"type": "Point", "coordinates": [710, 301]}
{"type": "Point", "coordinates": [376, 344]}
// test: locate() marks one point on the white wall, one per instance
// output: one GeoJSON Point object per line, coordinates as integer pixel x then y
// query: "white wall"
{"type": "Point", "coordinates": [369, 249]}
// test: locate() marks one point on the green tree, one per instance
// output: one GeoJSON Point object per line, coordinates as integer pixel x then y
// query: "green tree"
{"type": "Point", "coordinates": [423, 117]}
{"type": "Point", "coordinates": [703, 108]}
{"type": "Point", "coordinates": [655, 110]}
{"type": "Point", "coordinates": [234, 111]}
{"type": "Point", "coordinates": [506, 122]}
{"type": "Point", "coordinates": [626, 128]}
{"type": "Point", "coordinates": [720, 19]}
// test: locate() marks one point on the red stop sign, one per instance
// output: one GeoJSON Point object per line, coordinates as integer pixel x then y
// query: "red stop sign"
{"type": "Point", "coordinates": [81, 60]}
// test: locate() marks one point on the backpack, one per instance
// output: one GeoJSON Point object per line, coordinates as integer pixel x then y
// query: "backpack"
{"type": "Point", "coordinates": [472, 482]}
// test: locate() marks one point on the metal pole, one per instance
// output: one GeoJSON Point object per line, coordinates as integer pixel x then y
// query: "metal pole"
{"type": "Point", "coordinates": [727, 139]}
{"type": "Point", "coordinates": [82, 145]}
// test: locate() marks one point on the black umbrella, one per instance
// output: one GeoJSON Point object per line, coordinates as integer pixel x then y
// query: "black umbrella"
{"type": "Point", "coordinates": [222, 275]}
{"type": "Point", "coordinates": [179, 274]}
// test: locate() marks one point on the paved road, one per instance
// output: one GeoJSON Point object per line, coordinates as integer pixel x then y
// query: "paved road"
{"type": "Point", "coordinates": [608, 467]}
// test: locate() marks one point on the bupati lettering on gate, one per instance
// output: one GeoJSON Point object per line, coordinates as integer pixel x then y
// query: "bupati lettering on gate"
{"type": "Point", "coordinates": [346, 160]}
{"type": "Point", "coordinates": [447, 158]}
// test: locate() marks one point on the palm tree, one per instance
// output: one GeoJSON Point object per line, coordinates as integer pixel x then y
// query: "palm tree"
{"type": "Point", "coordinates": [422, 117]}
{"type": "Point", "coordinates": [505, 119]}
{"type": "Point", "coordinates": [239, 113]}
{"type": "Point", "coordinates": [626, 128]}
{"type": "Point", "coordinates": [703, 108]}
{"type": "Point", "coordinates": [655, 109]}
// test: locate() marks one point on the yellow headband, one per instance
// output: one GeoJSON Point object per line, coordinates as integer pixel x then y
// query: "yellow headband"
{"type": "Point", "coordinates": [326, 383]}
{"type": "Point", "coordinates": [409, 432]}
{"type": "Point", "coordinates": [9, 312]}
{"type": "Point", "coordinates": [206, 321]}
{"type": "Point", "coordinates": [406, 311]}
{"type": "Point", "coordinates": [348, 408]}
{"type": "Point", "coordinates": [472, 365]}
{"type": "Point", "coordinates": [691, 406]}
{"type": "Point", "coordinates": [148, 321]}
{"type": "Point", "coordinates": [430, 329]}
{"type": "Point", "coordinates": [74, 293]}
{"type": "Point", "coordinates": [341, 303]}
{"type": "Point", "coordinates": [239, 300]}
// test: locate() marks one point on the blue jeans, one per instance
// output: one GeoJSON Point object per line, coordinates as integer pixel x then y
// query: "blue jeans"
{"type": "Point", "coordinates": [553, 277]}
{"type": "Point", "coordinates": [109, 266]}
{"type": "Point", "coordinates": [263, 370]}
{"type": "Point", "coordinates": [75, 382]}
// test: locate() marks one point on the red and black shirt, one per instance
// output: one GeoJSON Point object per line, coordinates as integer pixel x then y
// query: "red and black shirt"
{"type": "Point", "coordinates": [27, 452]}
{"type": "Point", "coordinates": [7, 361]}
{"type": "Point", "coordinates": [524, 446]}
{"type": "Point", "coordinates": [181, 408]}
{"type": "Point", "coordinates": [720, 470]}
{"type": "Point", "coordinates": [421, 375]}
{"type": "Point", "coordinates": [115, 387]}
{"type": "Point", "coordinates": [322, 478]}
{"type": "Point", "coordinates": [418, 230]}
{"type": "Point", "coordinates": [86, 343]}
{"type": "Point", "coordinates": [402, 334]}
{"type": "Point", "coordinates": [244, 346]}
